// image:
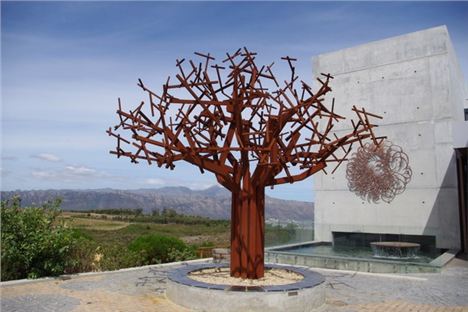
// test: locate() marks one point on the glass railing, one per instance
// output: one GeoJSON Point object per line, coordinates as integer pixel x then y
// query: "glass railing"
{"type": "Point", "coordinates": [279, 232]}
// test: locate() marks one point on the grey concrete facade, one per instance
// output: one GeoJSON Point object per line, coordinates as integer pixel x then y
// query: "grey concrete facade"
{"type": "Point", "coordinates": [415, 83]}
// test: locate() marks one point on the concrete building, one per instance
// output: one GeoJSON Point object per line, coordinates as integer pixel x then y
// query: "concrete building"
{"type": "Point", "coordinates": [414, 82]}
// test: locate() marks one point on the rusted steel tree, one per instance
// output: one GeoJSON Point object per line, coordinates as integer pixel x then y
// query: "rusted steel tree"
{"type": "Point", "coordinates": [251, 131]}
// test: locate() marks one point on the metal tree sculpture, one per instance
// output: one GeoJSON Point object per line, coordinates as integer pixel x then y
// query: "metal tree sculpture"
{"type": "Point", "coordinates": [225, 120]}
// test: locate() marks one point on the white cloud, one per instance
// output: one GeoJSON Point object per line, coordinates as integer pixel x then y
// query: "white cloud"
{"type": "Point", "coordinates": [42, 174]}
{"type": "Point", "coordinates": [153, 181]}
{"type": "Point", "coordinates": [80, 171]}
{"type": "Point", "coordinates": [201, 185]}
{"type": "Point", "coordinates": [47, 157]}
{"type": "Point", "coordinates": [69, 173]}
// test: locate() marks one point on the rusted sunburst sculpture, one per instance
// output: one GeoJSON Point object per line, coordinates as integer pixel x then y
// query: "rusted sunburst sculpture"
{"type": "Point", "coordinates": [239, 122]}
{"type": "Point", "coordinates": [378, 172]}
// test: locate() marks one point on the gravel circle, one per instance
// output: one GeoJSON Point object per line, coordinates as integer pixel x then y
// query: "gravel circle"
{"type": "Point", "coordinates": [221, 276]}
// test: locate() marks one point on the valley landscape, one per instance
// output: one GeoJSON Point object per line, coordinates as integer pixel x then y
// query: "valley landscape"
{"type": "Point", "coordinates": [213, 202]}
{"type": "Point", "coordinates": [109, 229]}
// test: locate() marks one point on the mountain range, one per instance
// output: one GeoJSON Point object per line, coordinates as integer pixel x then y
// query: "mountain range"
{"type": "Point", "coordinates": [213, 202]}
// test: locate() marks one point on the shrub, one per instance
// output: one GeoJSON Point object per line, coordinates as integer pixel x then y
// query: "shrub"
{"type": "Point", "coordinates": [115, 257]}
{"type": "Point", "coordinates": [81, 257]}
{"type": "Point", "coordinates": [34, 243]}
{"type": "Point", "coordinates": [181, 255]}
{"type": "Point", "coordinates": [154, 248]}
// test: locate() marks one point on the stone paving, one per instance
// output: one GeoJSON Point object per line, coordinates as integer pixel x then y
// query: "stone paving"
{"type": "Point", "coordinates": [143, 289]}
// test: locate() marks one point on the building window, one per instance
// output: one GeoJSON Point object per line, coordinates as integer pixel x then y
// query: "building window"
{"type": "Point", "coordinates": [466, 113]}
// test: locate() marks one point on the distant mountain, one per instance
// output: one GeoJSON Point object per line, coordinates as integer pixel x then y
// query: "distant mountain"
{"type": "Point", "coordinates": [214, 202]}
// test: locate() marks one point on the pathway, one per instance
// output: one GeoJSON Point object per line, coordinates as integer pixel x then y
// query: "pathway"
{"type": "Point", "coordinates": [142, 289]}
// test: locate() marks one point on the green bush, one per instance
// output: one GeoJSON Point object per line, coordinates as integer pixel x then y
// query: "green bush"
{"type": "Point", "coordinates": [34, 243]}
{"type": "Point", "coordinates": [81, 257]}
{"type": "Point", "coordinates": [154, 248]}
{"type": "Point", "coordinates": [116, 257]}
{"type": "Point", "coordinates": [181, 255]}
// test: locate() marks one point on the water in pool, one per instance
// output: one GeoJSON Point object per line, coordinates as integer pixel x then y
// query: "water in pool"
{"type": "Point", "coordinates": [354, 252]}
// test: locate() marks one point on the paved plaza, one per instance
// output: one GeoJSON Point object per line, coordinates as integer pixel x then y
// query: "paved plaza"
{"type": "Point", "coordinates": [143, 289]}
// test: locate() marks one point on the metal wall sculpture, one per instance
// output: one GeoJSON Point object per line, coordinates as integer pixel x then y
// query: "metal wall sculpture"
{"type": "Point", "coordinates": [238, 121]}
{"type": "Point", "coordinates": [378, 172]}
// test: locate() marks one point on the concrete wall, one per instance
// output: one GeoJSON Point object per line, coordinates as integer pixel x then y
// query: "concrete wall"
{"type": "Point", "coordinates": [415, 83]}
{"type": "Point", "coordinates": [466, 96]}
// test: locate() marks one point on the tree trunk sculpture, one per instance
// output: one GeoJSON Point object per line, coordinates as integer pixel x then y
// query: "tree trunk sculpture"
{"type": "Point", "coordinates": [251, 131]}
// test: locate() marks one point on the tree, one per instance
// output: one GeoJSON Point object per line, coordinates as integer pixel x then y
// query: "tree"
{"type": "Point", "coordinates": [225, 120]}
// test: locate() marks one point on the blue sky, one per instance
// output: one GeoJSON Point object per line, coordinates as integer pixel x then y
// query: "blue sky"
{"type": "Point", "coordinates": [65, 63]}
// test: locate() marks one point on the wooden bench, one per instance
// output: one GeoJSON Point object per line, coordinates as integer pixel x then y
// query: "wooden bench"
{"type": "Point", "coordinates": [204, 252]}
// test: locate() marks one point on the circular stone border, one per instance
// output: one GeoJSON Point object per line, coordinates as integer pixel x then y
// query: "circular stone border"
{"type": "Point", "coordinates": [303, 295]}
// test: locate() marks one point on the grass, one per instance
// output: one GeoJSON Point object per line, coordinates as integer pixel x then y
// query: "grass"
{"type": "Point", "coordinates": [100, 242]}
{"type": "Point", "coordinates": [108, 231]}
{"type": "Point", "coordinates": [95, 224]}
{"type": "Point", "coordinates": [105, 230]}
{"type": "Point", "coordinates": [109, 237]}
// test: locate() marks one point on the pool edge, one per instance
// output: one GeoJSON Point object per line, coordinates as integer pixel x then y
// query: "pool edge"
{"type": "Point", "coordinates": [274, 255]}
